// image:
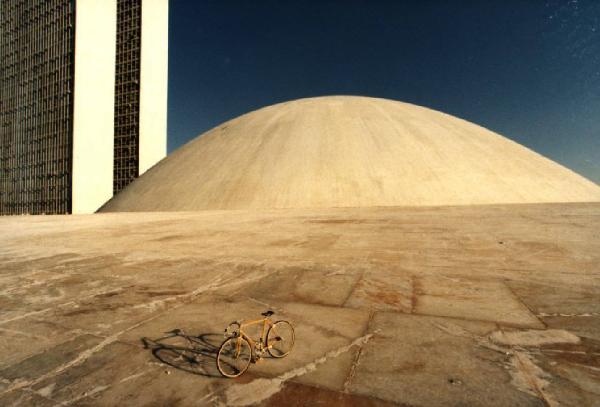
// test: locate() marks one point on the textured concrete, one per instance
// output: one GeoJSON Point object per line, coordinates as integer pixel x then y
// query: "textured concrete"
{"type": "Point", "coordinates": [349, 152]}
{"type": "Point", "coordinates": [483, 306]}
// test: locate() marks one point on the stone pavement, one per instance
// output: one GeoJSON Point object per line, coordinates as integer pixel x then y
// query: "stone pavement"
{"type": "Point", "coordinates": [481, 305]}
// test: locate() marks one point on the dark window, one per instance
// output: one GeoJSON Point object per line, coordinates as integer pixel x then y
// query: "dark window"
{"type": "Point", "coordinates": [36, 103]}
{"type": "Point", "coordinates": [127, 93]}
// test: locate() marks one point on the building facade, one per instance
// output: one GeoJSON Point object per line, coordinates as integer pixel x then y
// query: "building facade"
{"type": "Point", "coordinates": [83, 100]}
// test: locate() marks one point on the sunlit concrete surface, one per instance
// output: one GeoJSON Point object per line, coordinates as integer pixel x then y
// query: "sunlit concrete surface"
{"type": "Point", "coordinates": [153, 83]}
{"type": "Point", "coordinates": [349, 151]}
{"type": "Point", "coordinates": [482, 305]}
{"type": "Point", "coordinates": [93, 104]}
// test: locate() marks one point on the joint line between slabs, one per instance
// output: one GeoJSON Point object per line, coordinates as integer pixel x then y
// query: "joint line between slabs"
{"type": "Point", "coordinates": [520, 301]}
{"type": "Point", "coordinates": [355, 363]}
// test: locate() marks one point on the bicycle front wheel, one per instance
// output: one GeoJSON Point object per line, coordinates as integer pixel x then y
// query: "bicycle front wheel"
{"type": "Point", "coordinates": [280, 339]}
{"type": "Point", "coordinates": [234, 357]}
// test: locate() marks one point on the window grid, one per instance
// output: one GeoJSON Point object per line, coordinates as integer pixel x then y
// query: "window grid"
{"type": "Point", "coordinates": [127, 93]}
{"type": "Point", "coordinates": [36, 103]}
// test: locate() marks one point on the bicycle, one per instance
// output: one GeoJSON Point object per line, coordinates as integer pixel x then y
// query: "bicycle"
{"type": "Point", "coordinates": [238, 349]}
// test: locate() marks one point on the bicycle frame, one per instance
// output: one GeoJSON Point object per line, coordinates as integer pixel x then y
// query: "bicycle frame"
{"type": "Point", "coordinates": [266, 322]}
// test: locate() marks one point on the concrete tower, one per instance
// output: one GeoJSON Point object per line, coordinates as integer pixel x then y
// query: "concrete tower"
{"type": "Point", "coordinates": [84, 91]}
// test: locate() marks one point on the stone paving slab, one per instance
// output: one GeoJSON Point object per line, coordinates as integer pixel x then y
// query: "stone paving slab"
{"type": "Point", "coordinates": [472, 299]}
{"type": "Point", "coordinates": [49, 360]}
{"type": "Point", "coordinates": [22, 339]}
{"type": "Point", "coordinates": [25, 398]}
{"type": "Point", "coordinates": [585, 326]}
{"type": "Point", "coordinates": [432, 361]}
{"type": "Point", "coordinates": [390, 305]}
{"type": "Point", "coordinates": [382, 290]}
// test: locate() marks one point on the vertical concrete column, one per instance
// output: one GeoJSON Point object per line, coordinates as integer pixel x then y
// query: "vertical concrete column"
{"type": "Point", "coordinates": [93, 109]}
{"type": "Point", "coordinates": [153, 83]}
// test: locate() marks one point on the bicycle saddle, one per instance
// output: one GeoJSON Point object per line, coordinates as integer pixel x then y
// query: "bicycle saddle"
{"type": "Point", "coordinates": [267, 313]}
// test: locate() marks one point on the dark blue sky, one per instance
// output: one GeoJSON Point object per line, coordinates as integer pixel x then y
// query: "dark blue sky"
{"type": "Point", "coordinates": [529, 70]}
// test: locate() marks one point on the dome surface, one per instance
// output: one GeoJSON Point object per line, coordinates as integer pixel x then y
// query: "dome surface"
{"type": "Point", "coordinates": [346, 151]}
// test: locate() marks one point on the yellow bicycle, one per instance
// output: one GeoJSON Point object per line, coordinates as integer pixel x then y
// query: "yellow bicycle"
{"type": "Point", "coordinates": [238, 349]}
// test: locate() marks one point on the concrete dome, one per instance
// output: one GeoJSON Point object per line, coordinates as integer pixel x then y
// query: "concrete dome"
{"type": "Point", "coordinates": [344, 151]}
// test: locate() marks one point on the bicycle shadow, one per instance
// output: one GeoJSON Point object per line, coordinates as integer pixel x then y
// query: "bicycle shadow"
{"type": "Point", "coordinates": [193, 354]}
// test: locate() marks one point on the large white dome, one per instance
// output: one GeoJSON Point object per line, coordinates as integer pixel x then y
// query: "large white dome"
{"type": "Point", "coordinates": [345, 151]}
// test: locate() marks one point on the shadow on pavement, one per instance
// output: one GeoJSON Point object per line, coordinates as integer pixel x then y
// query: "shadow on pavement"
{"type": "Point", "coordinates": [193, 354]}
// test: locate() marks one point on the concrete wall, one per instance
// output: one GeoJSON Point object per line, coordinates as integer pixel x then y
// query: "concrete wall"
{"type": "Point", "coordinates": [153, 83]}
{"type": "Point", "coordinates": [93, 121]}
{"type": "Point", "coordinates": [93, 111]}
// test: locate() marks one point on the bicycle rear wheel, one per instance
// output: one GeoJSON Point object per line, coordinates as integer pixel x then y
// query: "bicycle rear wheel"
{"type": "Point", "coordinates": [234, 357]}
{"type": "Point", "coordinates": [280, 339]}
